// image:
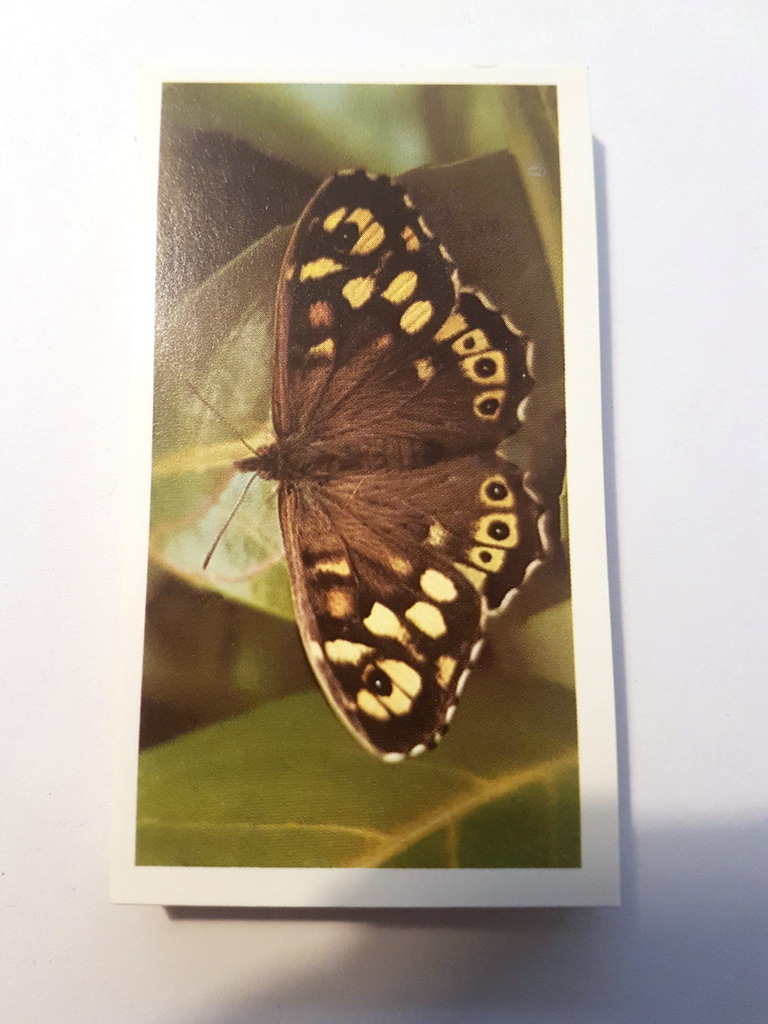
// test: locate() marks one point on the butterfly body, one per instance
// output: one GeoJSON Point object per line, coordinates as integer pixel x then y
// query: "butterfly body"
{"type": "Point", "coordinates": [392, 388]}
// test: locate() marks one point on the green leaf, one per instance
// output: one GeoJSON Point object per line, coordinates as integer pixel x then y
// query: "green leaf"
{"type": "Point", "coordinates": [207, 658]}
{"type": "Point", "coordinates": [284, 785]}
{"type": "Point", "coordinates": [215, 354]}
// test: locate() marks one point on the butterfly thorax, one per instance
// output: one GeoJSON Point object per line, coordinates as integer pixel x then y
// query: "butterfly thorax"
{"type": "Point", "coordinates": [265, 462]}
{"type": "Point", "coordinates": [298, 458]}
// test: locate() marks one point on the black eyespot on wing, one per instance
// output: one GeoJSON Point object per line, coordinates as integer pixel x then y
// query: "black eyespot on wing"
{"type": "Point", "coordinates": [496, 490]}
{"type": "Point", "coordinates": [498, 530]}
{"type": "Point", "coordinates": [378, 682]}
{"type": "Point", "coordinates": [489, 406]}
{"type": "Point", "coordinates": [485, 367]}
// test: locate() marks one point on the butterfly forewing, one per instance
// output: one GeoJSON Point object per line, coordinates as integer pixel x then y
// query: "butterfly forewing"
{"type": "Point", "coordinates": [361, 267]}
{"type": "Point", "coordinates": [392, 387]}
{"type": "Point", "coordinates": [374, 336]}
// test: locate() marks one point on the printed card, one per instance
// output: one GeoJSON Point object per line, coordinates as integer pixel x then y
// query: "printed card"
{"type": "Point", "coordinates": [369, 663]}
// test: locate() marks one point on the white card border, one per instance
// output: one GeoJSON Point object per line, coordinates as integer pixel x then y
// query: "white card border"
{"type": "Point", "coordinates": [596, 882]}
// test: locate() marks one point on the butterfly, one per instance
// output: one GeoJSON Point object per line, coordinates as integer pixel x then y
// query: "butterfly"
{"type": "Point", "coordinates": [392, 387]}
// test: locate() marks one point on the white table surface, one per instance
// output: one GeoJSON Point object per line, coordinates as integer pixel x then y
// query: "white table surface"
{"type": "Point", "coordinates": [679, 102]}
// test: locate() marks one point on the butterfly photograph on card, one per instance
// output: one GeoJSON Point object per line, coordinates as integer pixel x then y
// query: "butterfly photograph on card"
{"type": "Point", "coordinates": [358, 638]}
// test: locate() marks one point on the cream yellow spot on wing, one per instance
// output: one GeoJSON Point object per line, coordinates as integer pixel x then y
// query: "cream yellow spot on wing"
{"type": "Point", "coordinates": [371, 232]}
{"type": "Point", "coordinates": [475, 576]}
{"type": "Point", "coordinates": [402, 675]}
{"type": "Point", "coordinates": [324, 350]}
{"type": "Point", "coordinates": [412, 243]}
{"type": "Point", "coordinates": [437, 534]}
{"type": "Point", "coordinates": [425, 369]}
{"type": "Point", "coordinates": [333, 220]}
{"type": "Point", "coordinates": [360, 217]}
{"type": "Point", "coordinates": [358, 291]}
{"type": "Point", "coordinates": [499, 530]}
{"type": "Point", "coordinates": [317, 269]}
{"type": "Point", "coordinates": [486, 368]}
{"type": "Point", "coordinates": [382, 621]}
{"type": "Point", "coordinates": [487, 559]}
{"type": "Point", "coordinates": [452, 326]}
{"type": "Point", "coordinates": [401, 287]}
{"type": "Point", "coordinates": [462, 682]}
{"type": "Point", "coordinates": [401, 565]}
{"type": "Point", "coordinates": [334, 566]}
{"type": "Point", "coordinates": [427, 618]}
{"type": "Point", "coordinates": [346, 652]}
{"type": "Point", "coordinates": [338, 603]}
{"type": "Point", "coordinates": [487, 405]}
{"type": "Point", "coordinates": [371, 705]}
{"type": "Point", "coordinates": [474, 653]}
{"type": "Point", "coordinates": [438, 586]}
{"type": "Point", "coordinates": [369, 241]}
{"type": "Point", "coordinates": [424, 228]}
{"type": "Point", "coordinates": [398, 702]}
{"type": "Point", "coordinates": [505, 499]}
{"type": "Point", "coordinates": [446, 666]}
{"type": "Point", "coordinates": [416, 316]}
{"type": "Point", "coordinates": [320, 315]}
{"type": "Point", "coordinates": [473, 342]}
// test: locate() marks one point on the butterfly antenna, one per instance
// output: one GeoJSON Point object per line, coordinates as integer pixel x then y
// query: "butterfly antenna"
{"type": "Point", "coordinates": [230, 517]}
{"type": "Point", "coordinates": [226, 423]}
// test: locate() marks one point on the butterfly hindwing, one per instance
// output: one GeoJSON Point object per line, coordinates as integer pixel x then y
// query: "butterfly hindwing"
{"type": "Point", "coordinates": [393, 575]}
